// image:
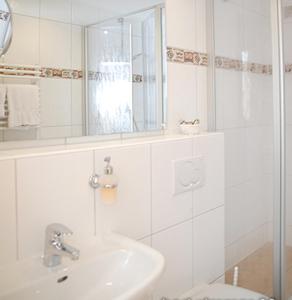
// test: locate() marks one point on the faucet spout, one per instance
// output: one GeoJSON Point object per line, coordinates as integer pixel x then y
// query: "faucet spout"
{"type": "Point", "coordinates": [69, 251]}
{"type": "Point", "coordinates": [55, 248]}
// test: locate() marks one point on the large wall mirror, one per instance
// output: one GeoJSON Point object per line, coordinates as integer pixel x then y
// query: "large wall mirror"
{"type": "Point", "coordinates": [81, 68]}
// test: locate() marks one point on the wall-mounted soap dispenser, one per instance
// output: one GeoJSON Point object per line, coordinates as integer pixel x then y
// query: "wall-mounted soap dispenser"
{"type": "Point", "coordinates": [106, 183]}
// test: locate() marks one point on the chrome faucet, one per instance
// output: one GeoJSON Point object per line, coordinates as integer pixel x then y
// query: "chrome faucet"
{"type": "Point", "coordinates": [55, 248]}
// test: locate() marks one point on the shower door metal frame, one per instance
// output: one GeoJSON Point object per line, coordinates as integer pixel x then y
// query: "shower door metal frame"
{"type": "Point", "coordinates": [279, 151]}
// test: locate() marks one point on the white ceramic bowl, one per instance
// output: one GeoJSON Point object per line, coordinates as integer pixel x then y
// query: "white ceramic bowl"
{"type": "Point", "coordinates": [190, 129]}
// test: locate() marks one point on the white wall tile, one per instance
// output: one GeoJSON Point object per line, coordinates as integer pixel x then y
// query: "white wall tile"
{"type": "Point", "coordinates": [175, 244]}
{"type": "Point", "coordinates": [8, 249]}
{"type": "Point", "coordinates": [26, 7]}
{"type": "Point", "coordinates": [55, 44]}
{"type": "Point", "coordinates": [146, 241]}
{"type": "Point", "coordinates": [289, 149]}
{"type": "Point", "coordinates": [182, 80]}
{"type": "Point", "coordinates": [168, 209]}
{"type": "Point", "coordinates": [202, 97]}
{"type": "Point", "coordinates": [55, 132]}
{"type": "Point", "coordinates": [54, 189]}
{"type": "Point", "coordinates": [77, 47]}
{"type": "Point", "coordinates": [181, 24]}
{"type": "Point", "coordinates": [20, 134]}
{"type": "Point", "coordinates": [55, 102]}
{"type": "Point", "coordinates": [210, 196]}
{"type": "Point", "coordinates": [235, 213]}
{"type": "Point", "coordinates": [235, 156]}
{"type": "Point", "coordinates": [24, 48]}
{"type": "Point", "coordinates": [56, 10]}
{"type": "Point", "coordinates": [288, 94]}
{"type": "Point", "coordinates": [228, 24]}
{"type": "Point", "coordinates": [131, 214]}
{"type": "Point", "coordinates": [208, 246]}
{"type": "Point", "coordinates": [77, 131]}
{"type": "Point", "coordinates": [77, 104]}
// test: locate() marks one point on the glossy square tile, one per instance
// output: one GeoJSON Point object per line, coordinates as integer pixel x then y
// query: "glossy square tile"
{"type": "Point", "coordinates": [131, 214]}
{"type": "Point", "coordinates": [56, 10]}
{"type": "Point", "coordinates": [208, 243]}
{"type": "Point", "coordinates": [182, 82]}
{"type": "Point", "coordinates": [169, 209]}
{"type": "Point", "coordinates": [8, 238]}
{"type": "Point", "coordinates": [77, 104]}
{"type": "Point", "coordinates": [175, 244]}
{"type": "Point", "coordinates": [55, 44]}
{"type": "Point", "coordinates": [25, 32]}
{"type": "Point", "coordinates": [28, 7]}
{"type": "Point", "coordinates": [211, 195]}
{"type": "Point", "coordinates": [54, 189]}
{"type": "Point", "coordinates": [77, 47]}
{"type": "Point", "coordinates": [55, 102]}
{"type": "Point", "coordinates": [181, 32]}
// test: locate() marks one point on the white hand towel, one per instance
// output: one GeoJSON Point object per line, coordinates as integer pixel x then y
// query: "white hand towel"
{"type": "Point", "coordinates": [23, 105]}
{"type": "Point", "coordinates": [2, 100]}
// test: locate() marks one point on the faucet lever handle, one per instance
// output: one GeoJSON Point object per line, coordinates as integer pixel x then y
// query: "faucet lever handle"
{"type": "Point", "coordinates": [58, 230]}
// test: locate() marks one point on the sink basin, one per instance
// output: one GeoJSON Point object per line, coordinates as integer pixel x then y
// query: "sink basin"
{"type": "Point", "coordinates": [117, 268]}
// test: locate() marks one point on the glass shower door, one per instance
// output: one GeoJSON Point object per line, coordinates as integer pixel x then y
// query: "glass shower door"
{"type": "Point", "coordinates": [244, 112]}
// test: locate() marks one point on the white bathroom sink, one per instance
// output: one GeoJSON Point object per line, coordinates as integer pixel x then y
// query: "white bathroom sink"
{"type": "Point", "coordinates": [115, 269]}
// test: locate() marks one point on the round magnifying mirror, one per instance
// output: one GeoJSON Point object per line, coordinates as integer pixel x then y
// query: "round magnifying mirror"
{"type": "Point", "coordinates": [5, 26]}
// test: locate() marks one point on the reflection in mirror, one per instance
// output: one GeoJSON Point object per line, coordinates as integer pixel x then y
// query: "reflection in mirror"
{"type": "Point", "coordinates": [81, 67]}
{"type": "Point", "coordinates": [5, 26]}
{"type": "Point", "coordinates": [125, 67]}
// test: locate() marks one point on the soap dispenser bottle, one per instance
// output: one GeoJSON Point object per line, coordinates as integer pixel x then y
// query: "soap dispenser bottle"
{"type": "Point", "coordinates": [108, 183]}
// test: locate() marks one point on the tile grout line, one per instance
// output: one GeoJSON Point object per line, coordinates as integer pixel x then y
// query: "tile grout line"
{"type": "Point", "coordinates": [16, 210]}
{"type": "Point", "coordinates": [151, 194]}
{"type": "Point", "coordinates": [94, 196]}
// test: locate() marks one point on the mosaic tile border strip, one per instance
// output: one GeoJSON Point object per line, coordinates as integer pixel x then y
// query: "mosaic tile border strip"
{"type": "Point", "coordinates": [177, 55]}
{"type": "Point", "coordinates": [288, 68]}
{"type": "Point", "coordinates": [39, 72]}
{"type": "Point", "coordinates": [61, 73]}
{"type": "Point", "coordinates": [4, 15]}
{"type": "Point", "coordinates": [188, 57]}
{"type": "Point", "coordinates": [242, 66]}
{"type": "Point", "coordinates": [98, 76]}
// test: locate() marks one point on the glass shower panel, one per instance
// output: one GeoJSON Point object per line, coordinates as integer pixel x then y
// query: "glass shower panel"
{"type": "Point", "coordinates": [110, 77]}
{"type": "Point", "coordinates": [244, 112]}
{"type": "Point", "coordinates": [125, 65]}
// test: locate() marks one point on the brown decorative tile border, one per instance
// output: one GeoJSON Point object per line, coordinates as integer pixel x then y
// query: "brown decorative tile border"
{"type": "Point", "coordinates": [288, 68]}
{"type": "Point", "coordinates": [239, 65]}
{"type": "Point", "coordinates": [4, 15]}
{"type": "Point", "coordinates": [61, 73]}
{"type": "Point", "coordinates": [188, 57]}
{"type": "Point", "coordinates": [97, 76]}
{"type": "Point", "coordinates": [177, 55]}
{"type": "Point", "coordinates": [39, 72]}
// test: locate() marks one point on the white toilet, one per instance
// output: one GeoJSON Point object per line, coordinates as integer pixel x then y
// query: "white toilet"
{"type": "Point", "coordinates": [224, 291]}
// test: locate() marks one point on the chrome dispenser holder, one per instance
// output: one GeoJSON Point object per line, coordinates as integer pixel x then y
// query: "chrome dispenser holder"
{"type": "Point", "coordinates": [95, 179]}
